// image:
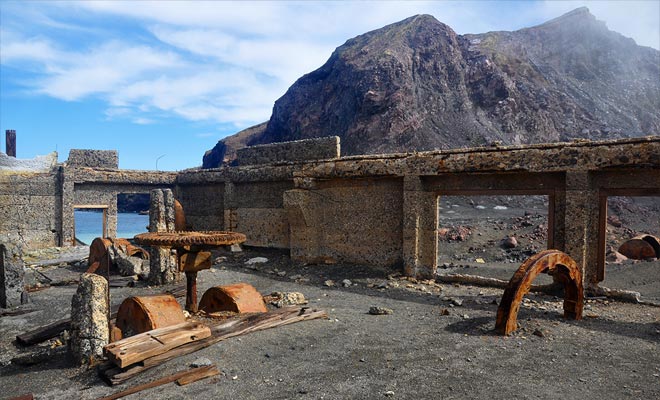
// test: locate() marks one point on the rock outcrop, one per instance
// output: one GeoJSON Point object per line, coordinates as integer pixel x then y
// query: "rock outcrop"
{"type": "Point", "coordinates": [417, 85]}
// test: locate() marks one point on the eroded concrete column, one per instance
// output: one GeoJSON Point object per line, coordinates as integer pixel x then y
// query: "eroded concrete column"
{"type": "Point", "coordinates": [420, 224]}
{"type": "Point", "coordinates": [162, 266]}
{"type": "Point", "coordinates": [581, 224]}
{"type": "Point", "coordinates": [89, 319]}
{"type": "Point", "coordinates": [12, 284]}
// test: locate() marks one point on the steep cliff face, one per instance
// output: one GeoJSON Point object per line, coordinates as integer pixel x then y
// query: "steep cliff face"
{"type": "Point", "coordinates": [417, 85]}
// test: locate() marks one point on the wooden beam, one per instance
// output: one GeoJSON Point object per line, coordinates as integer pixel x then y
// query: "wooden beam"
{"type": "Point", "coordinates": [241, 326]}
{"type": "Point", "coordinates": [187, 376]}
{"type": "Point", "coordinates": [136, 348]}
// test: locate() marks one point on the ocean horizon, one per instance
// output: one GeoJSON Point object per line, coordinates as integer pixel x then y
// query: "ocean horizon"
{"type": "Point", "coordinates": [89, 225]}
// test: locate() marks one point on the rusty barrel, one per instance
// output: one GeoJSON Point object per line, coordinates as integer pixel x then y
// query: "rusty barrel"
{"type": "Point", "coordinates": [239, 297]}
{"type": "Point", "coordinates": [641, 247]}
{"type": "Point", "coordinates": [139, 314]}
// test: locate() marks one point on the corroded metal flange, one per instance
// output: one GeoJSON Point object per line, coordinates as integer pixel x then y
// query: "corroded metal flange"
{"type": "Point", "coordinates": [190, 238]}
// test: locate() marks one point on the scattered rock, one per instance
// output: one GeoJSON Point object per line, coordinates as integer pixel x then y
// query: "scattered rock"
{"type": "Point", "coordinates": [538, 333]}
{"type": "Point", "coordinates": [389, 393]}
{"type": "Point", "coordinates": [201, 362]}
{"type": "Point", "coordinates": [456, 302]}
{"type": "Point", "coordinates": [500, 208]}
{"type": "Point", "coordinates": [282, 273]}
{"type": "Point", "coordinates": [454, 233]}
{"type": "Point", "coordinates": [376, 310]}
{"type": "Point", "coordinates": [444, 311]}
{"type": "Point", "coordinates": [615, 257]}
{"type": "Point", "coordinates": [509, 242]}
{"type": "Point", "coordinates": [346, 282]}
{"type": "Point", "coordinates": [219, 260]}
{"type": "Point", "coordinates": [614, 221]}
{"type": "Point", "coordinates": [282, 299]}
{"type": "Point", "coordinates": [294, 277]}
{"type": "Point", "coordinates": [329, 283]}
{"type": "Point", "coordinates": [382, 285]}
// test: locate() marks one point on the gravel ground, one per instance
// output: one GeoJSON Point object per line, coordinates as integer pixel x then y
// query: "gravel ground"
{"type": "Point", "coordinates": [437, 343]}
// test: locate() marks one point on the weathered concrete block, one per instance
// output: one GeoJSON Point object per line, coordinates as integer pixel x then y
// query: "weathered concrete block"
{"type": "Point", "coordinates": [93, 158]}
{"type": "Point", "coordinates": [299, 150]}
{"type": "Point", "coordinates": [162, 266]}
{"type": "Point", "coordinates": [89, 319]}
{"type": "Point", "coordinates": [12, 285]}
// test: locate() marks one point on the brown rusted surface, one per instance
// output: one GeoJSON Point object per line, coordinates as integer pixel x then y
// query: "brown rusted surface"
{"type": "Point", "coordinates": [564, 269]}
{"type": "Point", "coordinates": [139, 314]}
{"type": "Point", "coordinates": [190, 238]}
{"type": "Point", "coordinates": [190, 257]}
{"type": "Point", "coordinates": [179, 217]}
{"type": "Point", "coordinates": [239, 297]}
{"type": "Point", "coordinates": [99, 260]}
{"type": "Point", "coordinates": [195, 261]}
{"type": "Point", "coordinates": [641, 247]}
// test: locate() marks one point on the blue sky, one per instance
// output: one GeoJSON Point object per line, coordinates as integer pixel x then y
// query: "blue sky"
{"type": "Point", "coordinates": [169, 79]}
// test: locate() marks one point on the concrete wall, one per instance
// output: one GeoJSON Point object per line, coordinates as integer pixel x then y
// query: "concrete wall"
{"type": "Point", "coordinates": [377, 210]}
{"type": "Point", "coordinates": [30, 208]}
{"type": "Point", "coordinates": [351, 220]}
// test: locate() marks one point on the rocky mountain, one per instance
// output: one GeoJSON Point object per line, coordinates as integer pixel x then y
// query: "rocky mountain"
{"type": "Point", "coordinates": [417, 85]}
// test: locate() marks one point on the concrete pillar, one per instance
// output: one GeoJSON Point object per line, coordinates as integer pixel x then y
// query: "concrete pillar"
{"type": "Point", "coordinates": [580, 224]}
{"type": "Point", "coordinates": [89, 319]}
{"type": "Point", "coordinates": [230, 213]}
{"type": "Point", "coordinates": [162, 266]}
{"type": "Point", "coordinates": [10, 136]}
{"type": "Point", "coordinates": [12, 285]}
{"type": "Point", "coordinates": [420, 224]}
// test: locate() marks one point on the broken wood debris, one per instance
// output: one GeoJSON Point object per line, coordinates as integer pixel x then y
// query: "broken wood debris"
{"type": "Point", "coordinates": [45, 332]}
{"type": "Point", "coordinates": [181, 378]}
{"type": "Point", "coordinates": [158, 341]}
{"type": "Point", "coordinates": [246, 324]}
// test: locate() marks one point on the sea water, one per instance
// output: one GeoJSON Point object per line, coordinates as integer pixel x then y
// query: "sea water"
{"type": "Point", "coordinates": [89, 225]}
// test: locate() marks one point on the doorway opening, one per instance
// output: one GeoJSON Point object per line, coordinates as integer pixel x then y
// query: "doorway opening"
{"type": "Point", "coordinates": [629, 254]}
{"type": "Point", "coordinates": [492, 235]}
{"type": "Point", "coordinates": [90, 222]}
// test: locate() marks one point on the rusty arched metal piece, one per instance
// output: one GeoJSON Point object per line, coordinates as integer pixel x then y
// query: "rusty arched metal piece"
{"type": "Point", "coordinates": [556, 263]}
{"type": "Point", "coordinates": [238, 297]}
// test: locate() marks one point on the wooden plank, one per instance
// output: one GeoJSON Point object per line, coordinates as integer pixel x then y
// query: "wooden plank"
{"type": "Point", "coordinates": [185, 375]}
{"type": "Point", "coordinates": [45, 332]}
{"type": "Point", "coordinates": [241, 326]}
{"type": "Point", "coordinates": [198, 375]}
{"type": "Point", "coordinates": [152, 343]}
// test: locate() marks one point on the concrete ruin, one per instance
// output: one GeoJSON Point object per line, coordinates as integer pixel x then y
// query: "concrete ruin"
{"type": "Point", "coordinates": [163, 267]}
{"type": "Point", "coordinates": [89, 319]}
{"type": "Point", "coordinates": [373, 210]}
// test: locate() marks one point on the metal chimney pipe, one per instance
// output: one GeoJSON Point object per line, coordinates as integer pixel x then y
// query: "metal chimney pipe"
{"type": "Point", "coordinates": [10, 135]}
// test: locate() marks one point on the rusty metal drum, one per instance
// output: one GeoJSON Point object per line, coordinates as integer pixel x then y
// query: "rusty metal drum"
{"type": "Point", "coordinates": [139, 314]}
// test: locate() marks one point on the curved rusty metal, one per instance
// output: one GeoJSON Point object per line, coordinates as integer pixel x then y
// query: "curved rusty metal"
{"type": "Point", "coordinates": [179, 217]}
{"type": "Point", "coordinates": [641, 247]}
{"type": "Point", "coordinates": [556, 263]}
{"type": "Point", "coordinates": [190, 238]}
{"type": "Point", "coordinates": [99, 260]}
{"type": "Point", "coordinates": [138, 314]}
{"type": "Point", "coordinates": [239, 297]}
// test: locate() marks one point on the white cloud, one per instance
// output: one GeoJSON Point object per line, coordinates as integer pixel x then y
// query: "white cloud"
{"type": "Point", "coordinates": [226, 62]}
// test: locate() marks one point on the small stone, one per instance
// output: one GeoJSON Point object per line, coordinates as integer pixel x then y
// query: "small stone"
{"type": "Point", "coordinates": [538, 333]}
{"type": "Point", "coordinates": [282, 299]}
{"type": "Point", "coordinates": [256, 260]}
{"type": "Point", "coordinates": [465, 316]}
{"type": "Point", "coordinates": [329, 283]}
{"type": "Point", "coordinates": [456, 302]}
{"type": "Point", "coordinates": [294, 277]}
{"type": "Point", "coordinates": [346, 282]}
{"type": "Point", "coordinates": [201, 362]}
{"type": "Point", "coordinates": [444, 311]}
{"type": "Point", "coordinates": [389, 393]}
{"type": "Point", "coordinates": [186, 314]}
{"type": "Point", "coordinates": [235, 248]}
{"type": "Point", "coordinates": [509, 242]}
{"type": "Point", "coordinates": [219, 260]}
{"type": "Point", "coordinates": [282, 273]}
{"type": "Point", "coordinates": [382, 285]}
{"type": "Point", "coordinates": [376, 310]}
{"type": "Point", "coordinates": [363, 360]}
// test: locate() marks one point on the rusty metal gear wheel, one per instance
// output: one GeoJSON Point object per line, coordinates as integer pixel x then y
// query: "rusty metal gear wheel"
{"type": "Point", "coordinates": [190, 238]}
